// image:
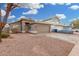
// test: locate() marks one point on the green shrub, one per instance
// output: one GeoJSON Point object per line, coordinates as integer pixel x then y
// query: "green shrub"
{"type": "Point", "coordinates": [4, 35]}
{"type": "Point", "coordinates": [15, 30]}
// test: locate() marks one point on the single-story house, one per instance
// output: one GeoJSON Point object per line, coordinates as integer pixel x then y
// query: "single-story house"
{"type": "Point", "coordinates": [56, 24]}
{"type": "Point", "coordinates": [25, 25]}
{"type": "Point", "coordinates": [40, 27]}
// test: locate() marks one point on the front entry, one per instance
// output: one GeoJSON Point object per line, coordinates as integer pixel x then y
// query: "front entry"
{"type": "Point", "coordinates": [27, 27]}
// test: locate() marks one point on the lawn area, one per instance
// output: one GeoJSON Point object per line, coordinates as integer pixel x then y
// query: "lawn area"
{"type": "Point", "coordinates": [34, 45]}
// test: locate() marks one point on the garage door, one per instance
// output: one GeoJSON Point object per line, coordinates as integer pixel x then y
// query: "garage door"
{"type": "Point", "coordinates": [41, 28]}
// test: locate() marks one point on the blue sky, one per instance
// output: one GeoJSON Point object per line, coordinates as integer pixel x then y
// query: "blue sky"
{"type": "Point", "coordinates": [67, 12]}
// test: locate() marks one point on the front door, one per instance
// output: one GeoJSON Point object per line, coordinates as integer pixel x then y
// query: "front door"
{"type": "Point", "coordinates": [27, 27]}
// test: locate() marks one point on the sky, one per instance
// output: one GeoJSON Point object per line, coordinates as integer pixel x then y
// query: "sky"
{"type": "Point", "coordinates": [42, 11]}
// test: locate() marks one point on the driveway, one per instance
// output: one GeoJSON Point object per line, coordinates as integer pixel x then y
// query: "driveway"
{"type": "Point", "coordinates": [73, 38]}
{"type": "Point", "coordinates": [34, 45]}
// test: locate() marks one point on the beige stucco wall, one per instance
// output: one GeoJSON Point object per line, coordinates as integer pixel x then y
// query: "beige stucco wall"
{"type": "Point", "coordinates": [15, 25]}
{"type": "Point", "coordinates": [40, 28]}
{"type": "Point", "coordinates": [56, 27]}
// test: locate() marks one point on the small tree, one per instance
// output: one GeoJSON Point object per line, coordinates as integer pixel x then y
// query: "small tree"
{"type": "Point", "coordinates": [11, 6]}
{"type": "Point", "coordinates": [75, 24]}
{"type": "Point", "coordinates": [3, 21]}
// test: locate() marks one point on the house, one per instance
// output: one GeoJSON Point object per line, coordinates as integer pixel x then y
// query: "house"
{"type": "Point", "coordinates": [56, 24]}
{"type": "Point", "coordinates": [41, 27]}
{"type": "Point", "coordinates": [45, 26]}
{"type": "Point", "coordinates": [25, 25]}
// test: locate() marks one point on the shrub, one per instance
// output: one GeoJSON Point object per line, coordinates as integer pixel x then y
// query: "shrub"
{"type": "Point", "coordinates": [15, 30]}
{"type": "Point", "coordinates": [4, 35]}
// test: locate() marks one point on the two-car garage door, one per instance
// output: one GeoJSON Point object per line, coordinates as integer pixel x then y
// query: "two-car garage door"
{"type": "Point", "coordinates": [41, 28]}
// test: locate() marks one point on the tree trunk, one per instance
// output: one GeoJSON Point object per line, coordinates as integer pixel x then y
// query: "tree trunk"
{"type": "Point", "coordinates": [0, 35]}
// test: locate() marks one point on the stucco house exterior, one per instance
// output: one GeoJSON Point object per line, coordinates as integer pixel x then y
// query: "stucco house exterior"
{"type": "Point", "coordinates": [41, 27]}
{"type": "Point", "coordinates": [56, 24]}
{"type": "Point", "coordinates": [45, 26]}
{"type": "Point", "coordinates": [23, 25]}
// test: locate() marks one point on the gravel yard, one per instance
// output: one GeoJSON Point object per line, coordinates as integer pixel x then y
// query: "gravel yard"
{"type": "Point", "coordinates": [34, 45]}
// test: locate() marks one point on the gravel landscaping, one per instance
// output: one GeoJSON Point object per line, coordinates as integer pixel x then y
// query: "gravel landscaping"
{"type": "Point", "coordinates": [34, 45]}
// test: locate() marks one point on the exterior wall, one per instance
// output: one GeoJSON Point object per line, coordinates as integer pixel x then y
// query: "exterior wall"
{"type": "Point", "coordinates": [67, 27]}
{"type": "Point", "coordinates": [54, 20]}
{"type": "Point", "coordinates": [16, 25]}
{"type": "Point", "coordinates": [56, 27]}
{"type": "Point", "coordinates": [40, 28]}
{"type": "Point", "coordinates": [6, 28]}
{"type": "Point", "coordinates": [23, 27]}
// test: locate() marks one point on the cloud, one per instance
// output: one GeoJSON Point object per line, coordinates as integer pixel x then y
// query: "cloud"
{"type": "Point", "coordinates": [11, 17]}
{"type": "Point", "coordinates": [68, 3]}
{"type": "Point", "coordinates": [22, 17]}
{"type": "Point", "coordinates": [57, 3]}
{"type": "Point", "coordinates": [74, 7]}
{"type": "Point", "coordinates": [61, 3]}
{"type": "Point", "coordinates": [31, 5]}
{"type": "Point", "coordinates": [71, 20]}
{"type": "Point", "coordinates": [3, 12]}
{"type": "Point", "coordinates": [33, 11]}
{"type": "Point", "coordinates": [61, 16]}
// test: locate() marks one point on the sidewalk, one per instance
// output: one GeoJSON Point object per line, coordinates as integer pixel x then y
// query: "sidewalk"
{"type": "Point", "coordinates": [75, 50]}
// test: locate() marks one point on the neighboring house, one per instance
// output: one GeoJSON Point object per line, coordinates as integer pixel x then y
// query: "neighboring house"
{"type": "Point", "coordinates": [67, 27]}
{"type": "Point", "coordinates": [55, 24]}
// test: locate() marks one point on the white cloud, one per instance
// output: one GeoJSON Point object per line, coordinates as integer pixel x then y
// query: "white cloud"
{"type": "Point", "coordinates": [31, 5]}
{"type": "Point", "coordinates": [11, 17]}
{"type": "Point", "coordinates": [71, 20]}
{"type": "Point", "coordinates": [74, 7]}
{"type": "Point", "coordinates": [61, 16]}
{"type": "Point", "coordinates": [36, 6]}
{"type": "Point", "coordinates": [57, 3]}
{"type": "Point", "coordinates": [3, 12]}
{"type": "Point", "coordinates": [33, 11]}
{"type": "Point", "coordinates": [53, 3]}
{"type": "Point", "coordinates": [68, 3]}
{"type": "Point", "coordinates": [22, 17]}
{"type": "Point", "coordinates": [61, 3]}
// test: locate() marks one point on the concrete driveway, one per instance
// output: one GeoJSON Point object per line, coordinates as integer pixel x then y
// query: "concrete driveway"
{"type": "Point", "coordinates": [73, 38]}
